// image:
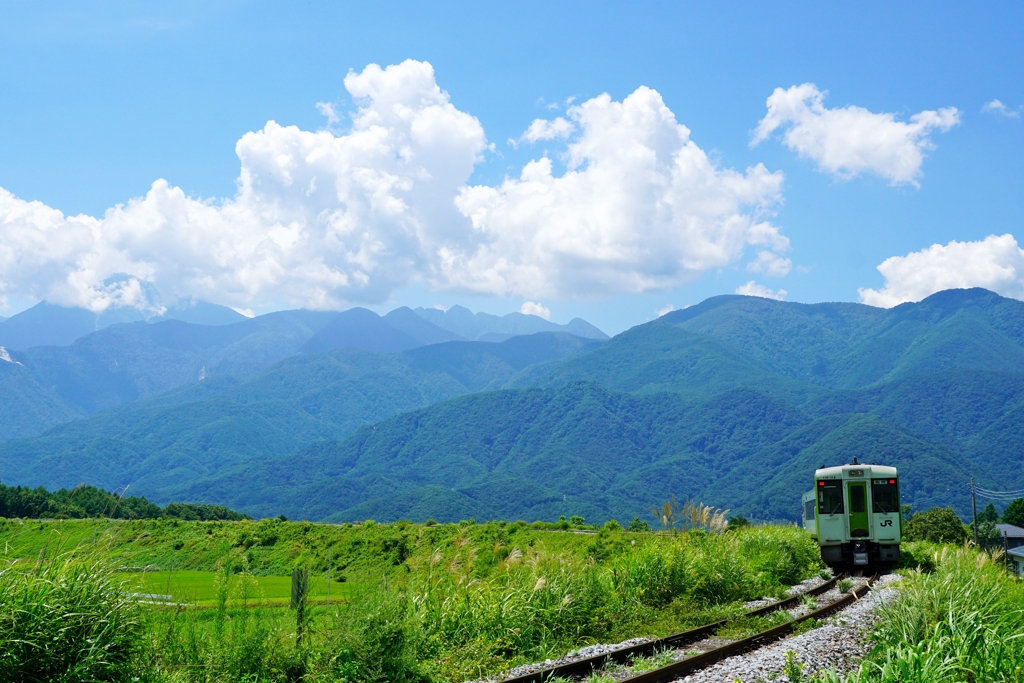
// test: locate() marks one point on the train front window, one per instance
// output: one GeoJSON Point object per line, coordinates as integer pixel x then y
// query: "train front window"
{"type": "Point", "coordinates": [830, 497]}
{"type": "Point", "coordinates": [857, 503]}
{"type": "Point", "coordinates": [809, 510]}
{"type": "Point", "coordinates": [884, 495]}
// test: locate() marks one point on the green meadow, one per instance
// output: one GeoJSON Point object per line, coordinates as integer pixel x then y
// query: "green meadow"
{"type": "Point", "coordinates": [409, 602]}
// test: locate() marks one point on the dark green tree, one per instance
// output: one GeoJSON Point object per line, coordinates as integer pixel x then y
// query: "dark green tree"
{"type": "Point", "coordinates": [938, 525]}
{"type": "Point", "coordinates": [737, 521]}
{"type": "Point", "coordinates": [988, 515]}
{"type": "Point", "coordinates": [638, 525]}
{"type": "Point", "coordinates": [1014, 513]}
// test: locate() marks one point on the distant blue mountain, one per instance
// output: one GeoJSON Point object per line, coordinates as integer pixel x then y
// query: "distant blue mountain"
{"type": "Point", "coordinates": [734, 402]}
{"type": "Point", "coordinates": [125, 362]}
{"type": "Point", "coordinates": [193, 431]}
{"type": "Point", "coordinates": [47, 324]}
{"type": "Point", "coordinates": [487, 327]}
{"type": "Point", "coordinates": [362, 329]}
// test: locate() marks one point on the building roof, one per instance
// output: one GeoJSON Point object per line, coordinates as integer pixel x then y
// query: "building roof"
{"type": "Point", "coordinates": [1010, 531]}
{"type": "Point", "coordinates": [1016, 552]}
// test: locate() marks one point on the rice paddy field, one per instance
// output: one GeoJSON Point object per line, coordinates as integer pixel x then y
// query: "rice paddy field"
{"type": "Point", "coordinates": [199, 588]}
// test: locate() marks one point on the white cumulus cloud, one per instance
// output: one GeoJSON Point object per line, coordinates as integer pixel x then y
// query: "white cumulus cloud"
{"type": "Point", "coordinates": [995, 263]}
{"type": "Point", "coordinates": [770, 264]}
{"type": "Point", "coordinates": [641, 207]}
{"type": "Point", "coordinates": [327, 109]}
{"type": "Point", "coordinates": [542, 129]}
{"type": "Point", "coordinates": [532, 308]}
{"type": "Point", "coordinates": [997, 107]}
{"type": "Point", "coordinates": [319, 220]}
{"type": "Point", "coordinates": [665, 310]}
{"type": "Point", "coordinates": [325, 219]}
{"type": "Point", "coordinates": [848, 141]}
{"type": "Point", "coordinates": [754, 289]}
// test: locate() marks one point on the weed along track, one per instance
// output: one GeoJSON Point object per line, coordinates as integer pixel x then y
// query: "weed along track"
{"type": "Point", "coordinates": [684, 653]}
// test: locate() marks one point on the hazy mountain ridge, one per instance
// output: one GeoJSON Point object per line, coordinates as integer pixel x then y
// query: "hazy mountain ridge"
{"type": "Point", "coordinates": [487, 327]}
{"type": "Point", "coordinates": [195, 430]}
{"type": "Point", "coordinates": [946, 409]}
{"type": "Point", "coordinates": [732, 401]}
{"type": "Point", "coordinates": [48, 324]}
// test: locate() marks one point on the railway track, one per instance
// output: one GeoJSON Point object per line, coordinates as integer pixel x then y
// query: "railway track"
{"type": "Point", "coordinates": [690, 664]}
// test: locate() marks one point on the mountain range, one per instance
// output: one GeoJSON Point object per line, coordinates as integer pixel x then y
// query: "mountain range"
{"type": "Point", "coordinates": [734, 401]}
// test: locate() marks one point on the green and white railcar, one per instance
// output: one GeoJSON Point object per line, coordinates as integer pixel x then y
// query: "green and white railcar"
{"type": "Point", "coordinates": [854, 513]}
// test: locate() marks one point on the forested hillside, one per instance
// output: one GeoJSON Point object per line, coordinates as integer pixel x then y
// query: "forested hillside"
{"type": "Point", "coordinates": [734, 401]}
{"type": "Point", "coordinates": [198, 429]}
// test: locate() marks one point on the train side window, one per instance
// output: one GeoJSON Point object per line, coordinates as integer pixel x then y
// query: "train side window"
{"type": "Point", "coordinates": [884, 495]}
{"type": "Point", "coordinates": [809, 510]}
{"type": "Point", "coordinates": [830, 497]}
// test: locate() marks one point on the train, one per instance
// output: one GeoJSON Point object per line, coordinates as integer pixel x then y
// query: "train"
{"type": "Point", "coordinates": [853, 513]}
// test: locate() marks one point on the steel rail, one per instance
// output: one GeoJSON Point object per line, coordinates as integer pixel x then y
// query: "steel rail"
{"type": "Point", "coordinates": [584, 667]}
{"type": "Point", "coordinates": [687, 666]}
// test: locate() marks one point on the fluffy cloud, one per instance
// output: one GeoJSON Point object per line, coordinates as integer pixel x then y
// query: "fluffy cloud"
{"type": "Point", "coordinates": [325, 220]}
{"type": "Point", "coordinates": [542, 129]}
{"type": "Point", "coordinates": [997, 107]}
{"type": "Point", "coordinates": [995, 263]}
{"type": "Point", "coordinates": [754, 289]}
{"type": "Point", "coordinates": [640, 207]}
{"type": "Point", "coordinates": [319, 220]}
{"type": "Point", "coordinates": [531, 308]}
{"type": "Point", "coordinates": [851, 140]}
{"type": "Point", "coordinates": [770, 264]}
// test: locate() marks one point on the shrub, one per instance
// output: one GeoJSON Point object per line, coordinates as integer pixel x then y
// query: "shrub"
{"type": "Point", "coordinates": [637, 524]}
{"type": "Point", "coordinates": [737, 521]}
{"type": "Point", "coordinates": [917, 555]}
{"type": "Point", "coordinates": [937, 525]}
{"type": "Point", "coordinates": [67, 619]}
{"type": "Point", "coordinates": [612, 525]}
{"type": "Point", "coordinates": [375, 639]}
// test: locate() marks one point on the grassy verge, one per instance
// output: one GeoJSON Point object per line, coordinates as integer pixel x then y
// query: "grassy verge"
{"type": "Point", "coordinates": [421, 603]}
{"type": "Point", "coordinates": [962, 622]}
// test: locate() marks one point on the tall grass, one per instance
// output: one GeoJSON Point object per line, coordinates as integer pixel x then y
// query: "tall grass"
{"type": "Point", "coordinates": [963, 622]}
{"type": "Point", "coordinates": [67, 619]}
{"type": "Point", "coordinates": [465, 610]}
{"type": "Point", "coordinates": [534, 605]}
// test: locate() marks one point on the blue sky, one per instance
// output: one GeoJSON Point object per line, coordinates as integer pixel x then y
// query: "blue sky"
{"type": "Point", "coordinates": [97, 105]}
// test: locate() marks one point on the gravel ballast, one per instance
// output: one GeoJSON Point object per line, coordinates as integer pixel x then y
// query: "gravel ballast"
{"type": "Point", "coordinates": [840, 644]}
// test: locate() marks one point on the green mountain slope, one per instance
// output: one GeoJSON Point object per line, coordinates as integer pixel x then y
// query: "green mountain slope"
{"type": "Point", "coordinates": [27, 407]}
{"type": "Point", "coordinates": [197, 430]}
{"type": "Point", "coordinates": [733, 401]}
{"type": "Point", "coordinates": [579, 449]}
{"type": "Point", "coordinates": [124, 363]}
{"type": "Point", "coordinates": [845, 345]}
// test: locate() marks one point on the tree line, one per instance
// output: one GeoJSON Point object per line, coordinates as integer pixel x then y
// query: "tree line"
{"type": "Point", "coordinates": [89, 501]}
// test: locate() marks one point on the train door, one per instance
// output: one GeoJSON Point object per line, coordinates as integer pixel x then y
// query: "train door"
{"type": "Point", "coordinates": [857, 494]}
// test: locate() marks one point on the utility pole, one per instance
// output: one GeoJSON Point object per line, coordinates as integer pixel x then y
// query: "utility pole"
{"type": "Point", "coordinates": [974, 511]}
